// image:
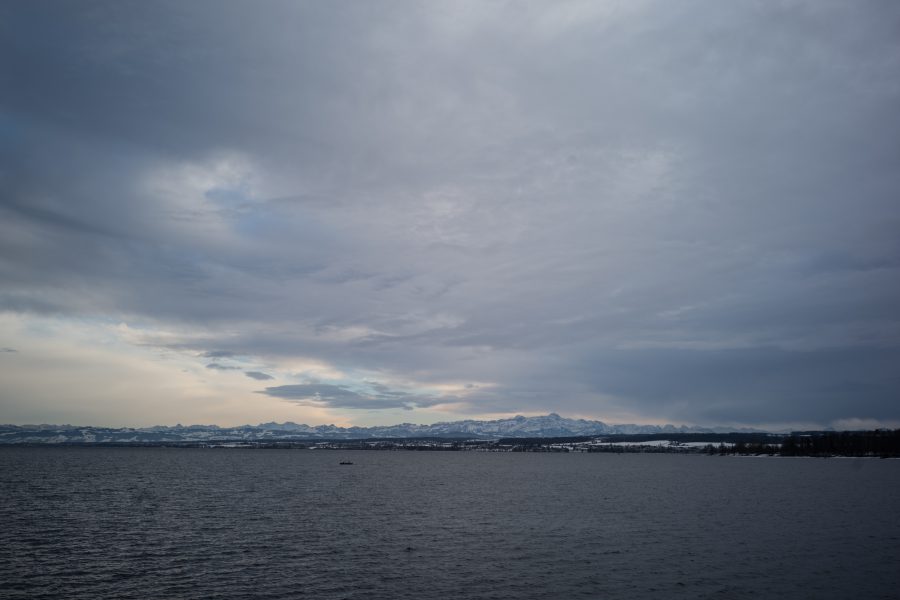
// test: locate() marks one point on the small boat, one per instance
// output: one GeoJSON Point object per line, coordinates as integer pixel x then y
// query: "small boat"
{"type": "Point", "coordinates": [346, 462]}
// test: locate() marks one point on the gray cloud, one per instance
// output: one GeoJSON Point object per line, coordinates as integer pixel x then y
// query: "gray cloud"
{"type": "Point", "coordinates": [675, 210]}
{"type": "Point", "coordinates": [8, 350]}
{"type": "Point", "coordinates": [336, 396]}
{"type": "Point", "coordinates": [762, 384]}
{"type": "Point", "coordinates": [258, 375]}
{"type": "Point", "coordinates": [218, 367]}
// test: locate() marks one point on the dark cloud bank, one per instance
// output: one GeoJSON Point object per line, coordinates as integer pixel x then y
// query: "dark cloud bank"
{"type": "Point", "coordinates": [682, 211]}
{"type": "Point", "coordinates": [336, 396]}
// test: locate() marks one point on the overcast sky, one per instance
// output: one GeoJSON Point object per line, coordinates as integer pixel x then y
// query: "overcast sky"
{"type": "Point", "coordinates": [375, 212]}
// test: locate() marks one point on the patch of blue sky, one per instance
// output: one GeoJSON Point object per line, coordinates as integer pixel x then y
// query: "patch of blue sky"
{"type": "Point", "coordinates": [10, 128]}
{"type": "Point", "coordinates": [261, 223]}
{"type": "Point", "coordinates": [234, 198]}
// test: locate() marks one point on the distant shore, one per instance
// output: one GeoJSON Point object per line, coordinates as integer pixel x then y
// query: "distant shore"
{"type": "Point", "coordinates": [876, 444]}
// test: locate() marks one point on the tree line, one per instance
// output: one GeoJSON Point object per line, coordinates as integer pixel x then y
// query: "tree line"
{"type": "Point", "coordinates": [880, 442]}
{"type": "Point", "coordinates": [884, 443]}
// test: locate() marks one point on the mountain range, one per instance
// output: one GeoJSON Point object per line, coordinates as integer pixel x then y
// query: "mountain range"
{"type": "Point", "coordinates": [551, 425]}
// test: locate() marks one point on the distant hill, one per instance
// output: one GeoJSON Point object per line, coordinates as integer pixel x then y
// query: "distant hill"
{"type": "Point", "coordinates": [546, 426]}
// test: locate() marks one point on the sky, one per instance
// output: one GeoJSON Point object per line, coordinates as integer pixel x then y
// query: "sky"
{"type": "Point", "coordinates": [380, 212]}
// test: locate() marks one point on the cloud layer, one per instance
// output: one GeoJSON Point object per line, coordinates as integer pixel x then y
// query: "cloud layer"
{"type": "Point", "coordinates": [660, 211]}
{"type": "Point", "coordinates": [336, 396]}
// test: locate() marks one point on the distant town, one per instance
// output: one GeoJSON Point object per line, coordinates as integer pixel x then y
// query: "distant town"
{"type": "Point", "coordinates": [880, 443]}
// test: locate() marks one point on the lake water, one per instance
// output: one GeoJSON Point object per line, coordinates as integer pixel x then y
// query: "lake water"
{"type": "Point", "coordinates": [183, 523]}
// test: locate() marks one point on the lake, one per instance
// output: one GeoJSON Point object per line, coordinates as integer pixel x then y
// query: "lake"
{"type": "Point", "coordinates": [216, 523]}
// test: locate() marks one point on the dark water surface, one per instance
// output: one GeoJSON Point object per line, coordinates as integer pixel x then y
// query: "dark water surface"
{"type": "Point", "coordinates": [167, 523]}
